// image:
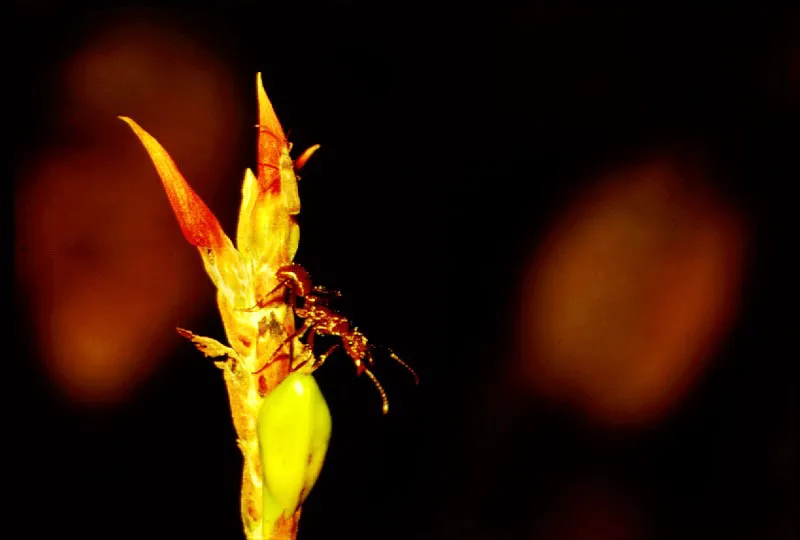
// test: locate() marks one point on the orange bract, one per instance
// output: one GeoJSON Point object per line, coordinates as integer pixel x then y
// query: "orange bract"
{"type": "Point", "coordinates": [198, 223]}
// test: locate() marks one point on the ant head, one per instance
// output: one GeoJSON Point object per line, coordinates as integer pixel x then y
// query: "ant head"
{"type": "Point", "coordinates": [296, 278]}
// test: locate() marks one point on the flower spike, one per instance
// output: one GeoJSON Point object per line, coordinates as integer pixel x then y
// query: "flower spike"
{"type": "Point", "coordinates": [273, 406]}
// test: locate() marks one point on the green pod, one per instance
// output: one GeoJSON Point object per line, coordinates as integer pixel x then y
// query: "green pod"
{"type": "Point", "coordinates": [294, 427]}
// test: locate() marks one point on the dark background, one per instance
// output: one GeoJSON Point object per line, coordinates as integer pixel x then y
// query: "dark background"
{"type": "Point", "coordinates": [422, 227]}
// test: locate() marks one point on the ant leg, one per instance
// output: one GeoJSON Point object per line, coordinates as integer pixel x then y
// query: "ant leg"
{"type": "Point", "coordinates": [291, 353]}
{"type": "Point", "coordinates": [272, 358]}
{"type": "Point", "coordinates": [264, 129]}
{"type": "Point", "coordinates": [303, 329]}
{"type": "Point", "coordinates": [324, 357]}
{"type": "Point", "coordinates": [311, 337]}
{"type": "Point", "coordinates": [309, 358]}
{"type": "Point", "coordinates": [382, 392]}
{"type": "Point", "coordinates": [397, 358]}
{"type": "Point", "coordinates": [309, 347]}
{"type": "Point", "coordinates": [263, 302]}
{"type": "Point", "coordinates": [268, 165]}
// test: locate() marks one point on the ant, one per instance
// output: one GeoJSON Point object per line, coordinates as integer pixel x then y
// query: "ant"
{"type": "Point", "coordinates": [284, 140]}
{"type": "Point", "coordinates": [319, 319]}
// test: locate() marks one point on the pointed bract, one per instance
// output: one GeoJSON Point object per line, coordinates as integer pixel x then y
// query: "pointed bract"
{"type": "Point", "coordinates": [300, 162]}
{"type": "Point", "coordinates": [271, 142]}
{"type": "Point", "coordinates": [275, 167]}
{"type": "Point", "coordinates": [199, 225]}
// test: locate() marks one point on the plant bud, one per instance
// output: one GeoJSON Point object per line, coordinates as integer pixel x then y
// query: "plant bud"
{"type": "Point", "coordinates": [294, 427]}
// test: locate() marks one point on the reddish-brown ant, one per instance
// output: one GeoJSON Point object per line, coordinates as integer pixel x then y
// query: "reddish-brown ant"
{"type": "Point", "coordinates": [319, 319]}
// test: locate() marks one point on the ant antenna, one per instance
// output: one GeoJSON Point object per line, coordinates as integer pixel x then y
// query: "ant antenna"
{"type": "Point", "coordinates": [319, 289]}
{"type": "Point", "coordinates": [275, 354]}
{"type": "Point", "coordinates": [382, 392]}
{"type": "Point", "coordinates": [409, 368]}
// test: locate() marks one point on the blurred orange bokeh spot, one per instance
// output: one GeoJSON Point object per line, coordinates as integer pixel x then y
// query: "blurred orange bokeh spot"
{"type": "Point", "coordinates": [591, 510]}
{"type": "Point", "coordinates": [98, 251]}
{"type": "Point", "coordinates": [632, 289]}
